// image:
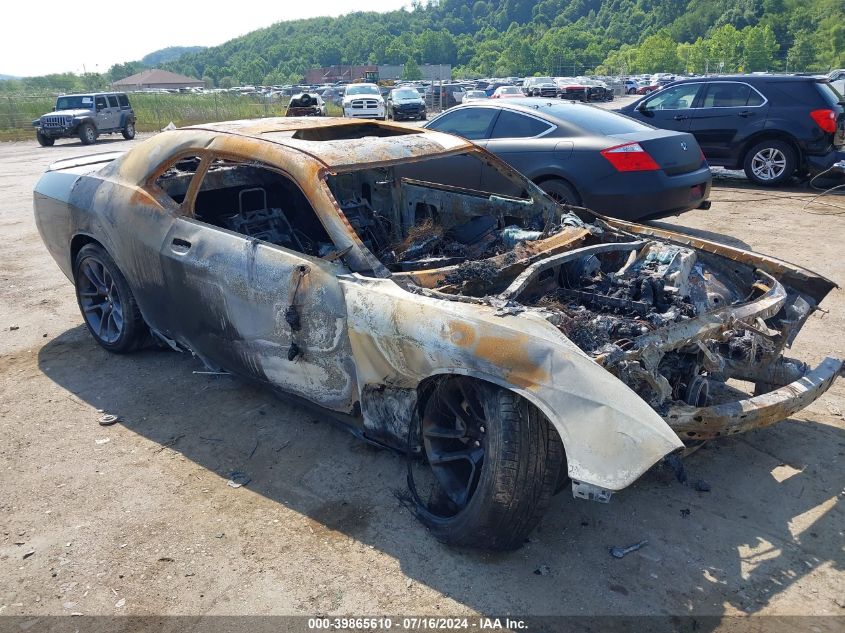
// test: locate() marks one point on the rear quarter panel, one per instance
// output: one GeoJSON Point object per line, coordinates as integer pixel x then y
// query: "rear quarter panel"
{"type": "Point", "coordinates": [53, 217]}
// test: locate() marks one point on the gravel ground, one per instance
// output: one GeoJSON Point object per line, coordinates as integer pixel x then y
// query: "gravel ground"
{"type": "Point", "coordinates": [137, 518]}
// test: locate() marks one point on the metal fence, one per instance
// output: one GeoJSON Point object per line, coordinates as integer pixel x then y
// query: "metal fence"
{"type": "Point", "coordinates": [154, 111]}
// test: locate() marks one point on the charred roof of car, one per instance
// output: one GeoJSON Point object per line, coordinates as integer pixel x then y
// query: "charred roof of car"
{"type": "Point", "coordinates": [324, 138]}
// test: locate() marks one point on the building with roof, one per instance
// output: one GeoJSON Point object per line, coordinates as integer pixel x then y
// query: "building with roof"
{"type": "Point", "coordinates": [155, 78]}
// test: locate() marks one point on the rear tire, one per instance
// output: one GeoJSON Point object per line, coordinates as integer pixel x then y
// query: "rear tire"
{"type": "Point", "coordinates": [129, 131]}
{"type": "Point", "coordinates": [770, 163]}
{"type": "Point", "coordinates": [561, 191]}
{"type": "Point", "coordinates": [87, 134]}
{"type": "Point", "coordinates": [106, 302]}
{"type": "Point", "coordinates": [44, 141]}
{"type": "Point", "coordinates": [521, 458]}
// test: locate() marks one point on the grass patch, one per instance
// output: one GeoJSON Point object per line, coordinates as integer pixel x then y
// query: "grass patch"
{"type": "Point", "coordinates": [153, 111]}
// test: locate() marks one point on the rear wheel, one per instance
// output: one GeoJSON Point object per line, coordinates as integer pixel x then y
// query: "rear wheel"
{"type": "Point", "coordinates": [44, 141]}
{"type": "Point", "coordinates": [770, 162]}
{"type": "Point", "coordinates": [106, 301]}
{"type": "Point", "coordinates": [495, 459]}
{"type": "Point", "coordinates": [561, 191]}
{"type": "Point", "coordinates": [87, 134]}
{"type": "Point", "coordinates": [129, 131]}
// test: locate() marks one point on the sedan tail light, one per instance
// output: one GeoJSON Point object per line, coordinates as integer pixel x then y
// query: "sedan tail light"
{"type": "Point", "coordinates": [825, 119]}
{"type": "Point", "coordinates": [630, 157]}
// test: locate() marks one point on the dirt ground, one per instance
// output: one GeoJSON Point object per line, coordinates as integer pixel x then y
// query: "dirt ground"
{"type": "Point", "coordinates": [137, 518]}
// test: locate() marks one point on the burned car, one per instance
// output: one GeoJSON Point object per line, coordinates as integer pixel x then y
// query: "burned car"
{"type": "Point", "coordinates": [510, 346]}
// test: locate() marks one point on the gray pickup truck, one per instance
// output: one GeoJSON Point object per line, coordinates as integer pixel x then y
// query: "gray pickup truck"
{"type": "Point", "coordinates": [86, 116]}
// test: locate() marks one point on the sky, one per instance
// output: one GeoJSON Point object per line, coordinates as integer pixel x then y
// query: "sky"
{"type": "Point", "coordinates": [119, 31]}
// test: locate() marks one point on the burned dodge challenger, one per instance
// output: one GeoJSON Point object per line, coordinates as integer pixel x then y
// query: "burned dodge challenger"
{"type": "Point", "coordinates": [437, 302]}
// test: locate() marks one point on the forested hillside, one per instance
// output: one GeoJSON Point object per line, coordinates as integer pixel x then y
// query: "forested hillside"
{"type": "Point", "coordinates": [520, 37]}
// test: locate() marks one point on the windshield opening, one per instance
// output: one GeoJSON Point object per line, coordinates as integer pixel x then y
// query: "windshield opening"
{"type": "Point", "coordinates": [363, 89]}
{"type": "Point", "coordinates": [75, 102]}
{"type": "Point", "coordinates": [426, 215]}
{"type": "Point", "coordinates": [407, 93]}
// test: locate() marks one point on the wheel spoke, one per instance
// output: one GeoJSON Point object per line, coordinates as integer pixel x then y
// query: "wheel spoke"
{"type": "Point", "coordinates": [454, 399]}
{"type": "Point", "coordinates": [96, 306]}
{"type": "Point", "coordinates": [88, 271]}
{"type": "Point", "coordinates": [473, 455]}
{"type": "Point", "coordinates": [444, 432]}
{"type": "Point", "coordinates": [103, 318]}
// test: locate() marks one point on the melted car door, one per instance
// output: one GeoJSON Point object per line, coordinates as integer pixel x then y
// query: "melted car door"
{"type": "Point", "coordinates": [260, 310]}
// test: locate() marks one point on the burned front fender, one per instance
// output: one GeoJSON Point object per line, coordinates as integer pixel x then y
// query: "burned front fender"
{"type": "Point", "coordinates": [399, 339]}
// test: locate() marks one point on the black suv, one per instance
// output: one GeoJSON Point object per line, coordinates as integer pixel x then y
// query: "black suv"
{"type": "Point", "coordinates": [772, 126]}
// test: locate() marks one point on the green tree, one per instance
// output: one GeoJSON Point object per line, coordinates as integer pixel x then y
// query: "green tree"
{"type": "Point", "coordinates": [658, 53]}
{"type": "Point", "coordinates": [802, 54]}
{"type": "Point", "coordinates": [724, 48]}
{"type": "Point", "coordinates": [760, 47]}
{"type": "Point", "coordinates": [411, 71]}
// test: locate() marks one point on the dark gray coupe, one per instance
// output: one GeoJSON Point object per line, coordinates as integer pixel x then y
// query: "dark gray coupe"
{"type": "Point", "coordinates": [587, 156]}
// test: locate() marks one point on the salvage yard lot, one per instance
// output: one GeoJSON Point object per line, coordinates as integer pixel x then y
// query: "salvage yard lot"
{"type": "Point", "coordinates": [137, 518]}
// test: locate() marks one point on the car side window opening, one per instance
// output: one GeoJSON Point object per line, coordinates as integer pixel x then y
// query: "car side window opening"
{"type": "Point", "coordinates": [470, 123]}
{"type": "Point", "coordinates": [175, 179]}
{"type": "Point", "coordinates": [100, 102]}
{"type": "Point", "coordinates": [417, 215]}
{"type": "Point", "coordinates": [112, 101]}
{"type": "Point", "coordinates": [728, 95]}
{"type": "Point", "coordinates": [261, 203]}
{"type": "Point", "coordinates": [677, 98]}
{"type": "Point", "coordinates": [515, 125]}
{"type": "Point", "coordinates": [123, 100]}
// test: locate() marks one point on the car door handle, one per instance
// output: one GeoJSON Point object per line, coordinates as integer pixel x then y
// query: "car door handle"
{"type": "Point", "coordinates": [178, 245]}
{"type": "Point", "coordinates": [745, 114]}
{"type": "Point", "coordinates": [680, 117]}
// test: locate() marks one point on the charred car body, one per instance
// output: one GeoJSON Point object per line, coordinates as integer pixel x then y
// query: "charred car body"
{"type": "Point", "coordinates": [505, 343]}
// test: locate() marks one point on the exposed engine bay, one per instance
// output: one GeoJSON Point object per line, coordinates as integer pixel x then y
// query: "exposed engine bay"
{"type": "Point", "coordinates": [676, 324]}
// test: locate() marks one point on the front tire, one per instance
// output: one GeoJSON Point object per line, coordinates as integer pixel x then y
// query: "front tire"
{"type": "Point", "coordinates": [496, 459]}
{"type": "Point", "coordinates": [770, 163]}
{"type": "Point", "coordinates": [106, 301]}
{"type": "Point", "coordinates": [44, 141]}
{"type": "Point", "coordinates": [87, 134]}
{"type": "Point", "coordinates": [129, 131]}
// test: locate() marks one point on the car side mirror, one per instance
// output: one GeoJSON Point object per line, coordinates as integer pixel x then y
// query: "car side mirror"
{"type": "Point", "coordinates": [643, 108]}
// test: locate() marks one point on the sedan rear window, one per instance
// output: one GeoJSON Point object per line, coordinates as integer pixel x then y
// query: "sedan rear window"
{"type": "Point", "coordinates": [513, 125]}
{"type": "Point", "coordinates": [595, 120]}
{"type": "Point", "coordinates": [471, 123]}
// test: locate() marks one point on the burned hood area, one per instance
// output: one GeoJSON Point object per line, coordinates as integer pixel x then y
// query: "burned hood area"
{"type": "Point", "coordinates": [686, 326]}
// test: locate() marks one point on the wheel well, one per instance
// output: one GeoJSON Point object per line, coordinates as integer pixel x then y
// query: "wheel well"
{"type": "Point", "coordinates": [771, 136]}
{"type": "Point", "coordinates": [76, 245]}
{"type": "Point", "coordinates": [426, 388]}
{"type": "Point", "coordinates": [539, 180]}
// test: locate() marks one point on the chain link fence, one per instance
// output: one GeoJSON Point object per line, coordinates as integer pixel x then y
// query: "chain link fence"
{"type": "Point", "coordinates": [154, 111]}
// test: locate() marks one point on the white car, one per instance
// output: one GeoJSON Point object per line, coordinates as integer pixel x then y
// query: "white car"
{"type": "Point", "coordinates": [363, 101]}
{"type": "Point", "coordinates": [837, 80]}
